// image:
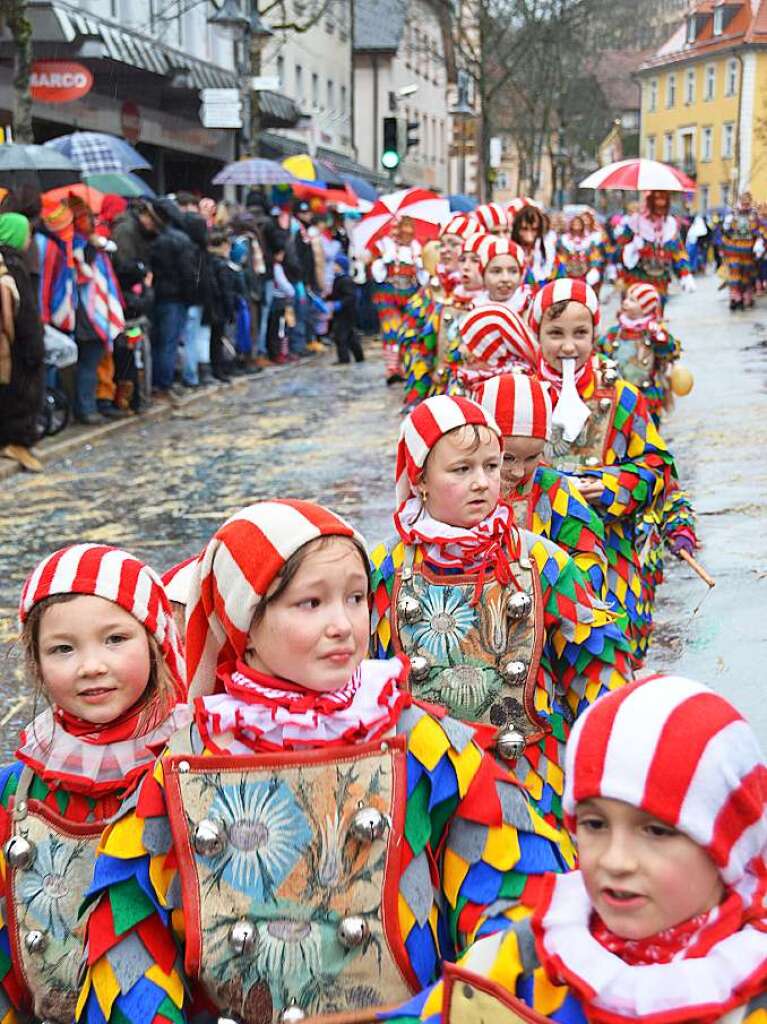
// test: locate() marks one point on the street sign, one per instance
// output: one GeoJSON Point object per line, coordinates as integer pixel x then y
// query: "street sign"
{"type": "Point", "coordinates": [221, 108]}
{"type": "Point", "coordinates": [263, 83]}
{"type": "Point", "coordinates": [496, 151]}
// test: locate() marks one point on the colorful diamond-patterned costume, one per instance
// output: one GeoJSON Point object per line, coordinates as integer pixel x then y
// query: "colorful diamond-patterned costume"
{"type": "Point", "coordinates": [428, 341]}
{"type": "Point", "coordinates": [644, 357]}
{"type": "Point", "coordinates": [577, 654]}
{"type": "Point", "coordinates": [650, 250]}
{"type": "Point", "coordinates": [660, 528]}
{"type": "Point", "coordinates": [395, 273]}
{"type": "Point", "coordinates": [286, 866]}
{"type": "Point", "coordinates": [740, 231]}
{"type": "Point", "coordinates": [554, 507]}
{"type": "Point", "coordinates": [620, 446]}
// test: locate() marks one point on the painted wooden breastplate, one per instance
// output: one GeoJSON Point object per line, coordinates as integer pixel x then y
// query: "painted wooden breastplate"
{"type": "Point", "coordinates": [589, 449]}
{"type": "Point", "coordinates": [289, 867]}
{"type": "Point", "coordinates": [49, 870]}
{"type": "Point", "coordinates": [654, 261]}
{"type": "Point", "coordinates": [480, 660]}
{"type": "Point", "coordinates": [635, 358]}
{"type": "Point", "coordinates": [576, 263]}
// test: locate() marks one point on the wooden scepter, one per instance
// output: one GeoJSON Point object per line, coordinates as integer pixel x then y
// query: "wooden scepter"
{"type": "Point", "coordinates": [697, 567]}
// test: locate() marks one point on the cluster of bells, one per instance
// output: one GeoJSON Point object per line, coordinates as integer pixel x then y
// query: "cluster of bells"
{"type": "Point", "coordinates": [368, 824]}
{"type": "Point", "coordinates": [518, 607]}
{"type": "Point", "coordinates": [19, 854]}
{"type": "Point", "coordinates": [645, 360]}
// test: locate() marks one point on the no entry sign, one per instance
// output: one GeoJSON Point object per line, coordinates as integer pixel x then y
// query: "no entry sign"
{"type": "Point", "coordinates": [59, 81]}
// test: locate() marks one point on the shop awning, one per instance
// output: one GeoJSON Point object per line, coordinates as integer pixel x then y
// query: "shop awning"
{"type": "Point", "coordinates": [91, 36]}
{"type": "Point", "coordinates": [277, 111]}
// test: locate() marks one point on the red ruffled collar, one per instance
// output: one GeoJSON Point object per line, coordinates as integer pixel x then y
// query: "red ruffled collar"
{"type": "Point", "coordinates": [585, 378]}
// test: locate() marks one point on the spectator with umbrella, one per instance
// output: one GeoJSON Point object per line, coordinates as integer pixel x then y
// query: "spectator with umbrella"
{"type": "Point", "coordinates": [21, 346]}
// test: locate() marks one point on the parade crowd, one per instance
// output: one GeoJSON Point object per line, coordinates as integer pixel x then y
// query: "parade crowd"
{"type": "Point", "coordinates": [432, 777]}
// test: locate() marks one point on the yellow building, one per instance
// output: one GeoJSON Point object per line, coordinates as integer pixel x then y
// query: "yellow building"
{"type": "Point", "coordinates": [704, 100]}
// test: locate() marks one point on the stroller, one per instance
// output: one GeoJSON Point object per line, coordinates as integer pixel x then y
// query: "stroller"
{"type": "Point", "coordinates": [60, 352]}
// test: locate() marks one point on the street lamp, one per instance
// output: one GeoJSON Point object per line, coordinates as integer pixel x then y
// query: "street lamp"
{"type": "Point", "coordinates": [462, 112]}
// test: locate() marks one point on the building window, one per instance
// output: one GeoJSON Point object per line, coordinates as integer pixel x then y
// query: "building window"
{"type": "Point", "coordinates": [281, 70]}
{"type": "Point", "coordinates": [650, 147]}
{"type": "Point", "coordinates": [731, 78]}
{"type": "Point", "coordinates": [707, 144]}
{"type": "Point", "coordinates": [691, 26]}
{"type": "Point", "coordinates": [689, 86]}
{"type": "Point", "coordinates": [718, 20]}
{"type": "Point", "coordinates": [299, 83]}
{"type": "Point", "coordinates": [704, 192]}
{"type": "Point", "coordinates": [728, 140]}
{"type": "Point", "coordinates": [710, 87]}
{"type": "Point", "coordinates": [343, 99]}
{"type": "Point", "coordinates": [724, 192]}
{"type": "Point", "coordinates": [671, 91]}
{"type": "Point", "coordinates": [315, 91]}
{"type": "Point", "coordinates": [331, 95]}
{"type": "Point", "coordinates": [652, 97]}
{"type": "Point", "coordinates": [668, 147]}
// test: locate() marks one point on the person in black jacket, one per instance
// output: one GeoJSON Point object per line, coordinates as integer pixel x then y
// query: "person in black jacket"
{"type": "Point", "coordinates": [176, 281]}
{"type": "Point", "coordinates": [343, 302]}
{"type": "Point", "coordinates": [225, 287]}
{"type": "Point", "coordinates": [196, 335]}
{"type": "Point", "coordinates": [22, 373]}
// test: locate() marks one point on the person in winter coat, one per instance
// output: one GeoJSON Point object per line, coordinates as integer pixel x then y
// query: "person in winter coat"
{"type": "Point", "coordinates": [196, 334]}
{"type": "Point", "coordinates": [343, 301]}
{"type": "Point", "coordinates": [21, 346]}
{"type": "Point", "coordinates": [175, 279]}
{"type": "Point", "coordinates": [225, 288]}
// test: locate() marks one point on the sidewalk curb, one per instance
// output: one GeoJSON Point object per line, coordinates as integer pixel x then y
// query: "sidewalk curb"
{"type": "Point", "coordinates": [158, 411]}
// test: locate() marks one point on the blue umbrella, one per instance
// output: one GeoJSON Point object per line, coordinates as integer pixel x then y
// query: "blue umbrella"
{"type": "Point", "coordinates": [462, 204]}
{"type": "Point", "coordinates": [362, 189]}
{"type": "Point", "coordinates": [120, 183]}
{"type": "Point", "coordinates": [99, 153]}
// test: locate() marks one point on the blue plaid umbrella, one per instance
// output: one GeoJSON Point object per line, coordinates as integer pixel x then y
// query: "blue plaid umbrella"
{"type": "Point", "coordinates": [255, 171]}
{"type": "Point", "coordinates": [99, 153]}
{"type": "Point", "coordinates": [363, 189]}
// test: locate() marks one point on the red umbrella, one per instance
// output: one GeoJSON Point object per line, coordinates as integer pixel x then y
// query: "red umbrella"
{"type": "Point", "coordinates": [304, 190]}
{"type": "Point", "coordinates": [639, 175]}
{"type": "Point", "coordinates": [426, 209]}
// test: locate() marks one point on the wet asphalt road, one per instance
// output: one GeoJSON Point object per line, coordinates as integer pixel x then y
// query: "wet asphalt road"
{"type": "Point", "coordinates": [327, 433]}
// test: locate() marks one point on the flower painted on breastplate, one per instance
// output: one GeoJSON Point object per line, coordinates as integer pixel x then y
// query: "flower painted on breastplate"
{"type": "Point", "coordinates": [45, 891]}
{"type": "Point", "coordinates": [266, 831]}
{"type": "Point", "coordinates": [447, 619]}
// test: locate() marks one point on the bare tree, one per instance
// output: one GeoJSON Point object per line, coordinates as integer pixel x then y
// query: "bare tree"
{"type": "Point", "coordinates": [13, 14]}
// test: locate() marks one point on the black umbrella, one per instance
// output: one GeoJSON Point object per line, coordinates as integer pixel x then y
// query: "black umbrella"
{"type": "Point", "coordinates": [39, 166]}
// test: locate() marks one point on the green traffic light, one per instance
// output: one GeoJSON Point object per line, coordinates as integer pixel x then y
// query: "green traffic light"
{"type": "Point", "coordinates": [390, 159]}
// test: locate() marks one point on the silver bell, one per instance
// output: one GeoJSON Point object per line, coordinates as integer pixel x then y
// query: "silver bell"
{"type": "Point", "coordinates": [242, 936]}
{"type": "Point", "coordinates": [35, 941]}
{"type": "Point", "coordinates": [209, 839]}
{"type": "Point", "coordinates": [510, 743]}
{"type": "Point", "coordinates": [645, 384]}
{"type": "Point", "coordinates": [292, 1014]}
{"type": "Point", "coordinates": [645, 361]}
{"type": "Point", "coordinates": [408, 608]}
{"type": "Point", "coordinates": [368, 824]}
{"type": "Point", "coordinates": [515, 672]}
{"type": "Point", "coordinates": [604, 404]}
{"type": "Point", "coordinates": [591, 460]}
{"type": "Point", "coordinates": [647, 342]}
{"type": "Point", "coordinates": [519, 606]}
{"type": "Point", "coordinates": [19, 852]}
{"type": "Point", "coordinates": [419, 667]}
{"type": "Point", "coordinates": [609, 376]}
{"type": "Point", "coordinates": [352, 931]}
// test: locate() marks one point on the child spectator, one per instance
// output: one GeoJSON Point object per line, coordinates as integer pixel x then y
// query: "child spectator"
{"type": "Point", "coordinates": [343, 302]}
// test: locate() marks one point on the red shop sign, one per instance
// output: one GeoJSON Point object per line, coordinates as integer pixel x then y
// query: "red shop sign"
{"type": "Point", "coordinates": [59, 81]}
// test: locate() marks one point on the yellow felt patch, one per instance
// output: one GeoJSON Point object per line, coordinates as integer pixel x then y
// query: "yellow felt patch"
{"type": "Point", "coordinates": [105, 985]}
{"type": "Point", "coordinates": [170, 983]}
{"type": "Point", "coordinates": [454, 871]}
{"type": "Point", "coordinates": [428, 742]}
{"type": "Point", "coordinates": [502, 848]}
{"type": "Point", "coordinates": [123, 839]}
{"type": "Point", "coordinates": [466, 765]}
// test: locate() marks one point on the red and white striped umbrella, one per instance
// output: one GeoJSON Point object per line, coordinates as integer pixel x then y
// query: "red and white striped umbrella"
{"type": "Point", "coordinates": [427, 210]}
{"type": "Point", "coordinates": [639, 175]}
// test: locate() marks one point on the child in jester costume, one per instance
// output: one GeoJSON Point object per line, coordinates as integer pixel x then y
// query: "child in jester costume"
{"type": "Point", "coordinates": [643, 348]}
{"type": "Point", "coordinates": [492, 339]}
{"type": "Point", "coordinates": [499, 624]}
{"type": "Point", "coordinates": [664, 921]}
{"type": "Point", "coordinates": [543, 500]}
{"type": "Point", "coordinates": [316, 841]}
{"type": "Point", "coordinates": [102, 647]}
{"type": "Point", "coordinates": [603, 436]}
{"type": "Point", "coordinates": [431, 318]}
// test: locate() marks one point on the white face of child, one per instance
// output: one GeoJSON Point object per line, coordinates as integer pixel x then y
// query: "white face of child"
{"type": "Point", "coordinates": [94, 657]}
{"type": "Point", "coordinates": [642, 876]}
{"type": "Point", "coordinates": [317, 631]}
{"type": "Point", "coordinates": [631, 308]}
{"type": "Point", "coordinates": [450, 248]}
{"type": "Point", "coordinates": [569, 336]}
{"type": "Point", "coordinates": [463, 479]}
{"type": "Point", "coordinates": [502, 276]}
{"type": "Point", "coordinates": [521, 458]}
{"type": "Point", "coordinates": [471, 275]}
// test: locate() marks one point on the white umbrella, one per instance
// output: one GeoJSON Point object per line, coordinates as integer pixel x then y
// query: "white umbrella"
{"type": "Point", "coordinates": [426, 209]}
{"type": "Point", "coordinates": [639, 175]}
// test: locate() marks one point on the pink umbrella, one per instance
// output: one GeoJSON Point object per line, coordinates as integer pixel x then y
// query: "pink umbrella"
{"type": "Point", "coordinates": [639, 175]}
{"type": "Point", "coordinates": [427, 210]}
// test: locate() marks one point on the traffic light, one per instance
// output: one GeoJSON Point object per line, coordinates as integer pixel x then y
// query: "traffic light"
{"type": "Point", "coordinates": [390, 154]}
